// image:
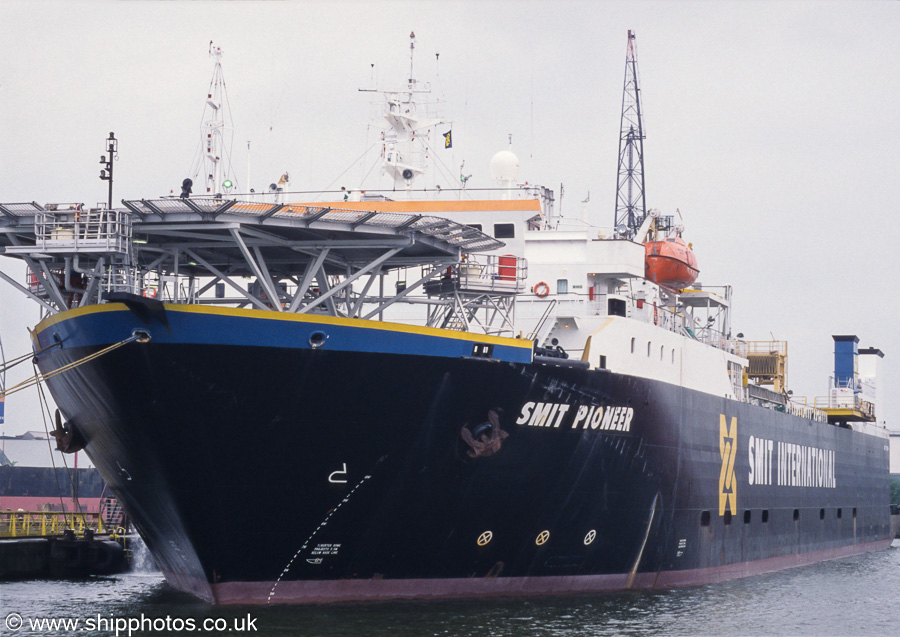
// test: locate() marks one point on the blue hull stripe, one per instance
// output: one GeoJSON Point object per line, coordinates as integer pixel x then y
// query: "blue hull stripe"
{"type": "Point", "coordinates": [270, 329]}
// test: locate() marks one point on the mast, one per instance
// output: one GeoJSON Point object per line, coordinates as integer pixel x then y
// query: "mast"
{"type": "Point", "coordinates": [406, 148]}
{"type": "Point", "coordinates": [2, 382]}
{"type": "Point", "coordinates": [630, 206]}
{"type": "Point", "coordinates": [215, 153]}
{"type": "Point", "coordinates": [106, 173]}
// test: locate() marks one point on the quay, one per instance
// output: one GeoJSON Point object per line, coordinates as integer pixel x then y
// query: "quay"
{"type": "Point", "coordinates": [36, 544]}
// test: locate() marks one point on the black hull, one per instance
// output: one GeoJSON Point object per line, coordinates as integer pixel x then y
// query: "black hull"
{"type": "Point", "coordinates": [292, 474]}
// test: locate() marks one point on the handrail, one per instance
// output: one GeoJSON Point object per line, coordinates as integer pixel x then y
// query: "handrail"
{"type": "Point", "coordinates": [14, 524]}
{"type": "Point", "coordinates": [756, 348]}
{"type": "Point", "coordinates": [806, 411]}
{"type": "Point", "coordinates": [498, 272]}
{"type": "Point", "coordinates": [540, 325]}
{"type": "Point", "coordinates": [845, 402]}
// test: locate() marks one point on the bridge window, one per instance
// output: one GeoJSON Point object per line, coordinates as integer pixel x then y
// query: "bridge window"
{"type": "Point", "coordinates": [504, 230]}
{"type": "Point", "coordinates": [476, 226]}
{"type": "Point", "coordinates": [562, 286]}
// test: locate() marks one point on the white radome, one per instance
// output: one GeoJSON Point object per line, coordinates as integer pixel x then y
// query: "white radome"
{"type": "Point", "coordinates": [505, 166]}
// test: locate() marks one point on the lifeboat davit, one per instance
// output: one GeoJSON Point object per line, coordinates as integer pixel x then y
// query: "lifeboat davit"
{"type": "Point", "coordinates": [670, 263]}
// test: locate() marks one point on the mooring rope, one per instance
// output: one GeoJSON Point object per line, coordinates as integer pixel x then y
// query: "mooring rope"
{"type": "Point", "coordinates": [44, 405]}
{"type": "Point", "coordinates": [24, 357]}
{"type": "Point", "coordinates": [137, 335]}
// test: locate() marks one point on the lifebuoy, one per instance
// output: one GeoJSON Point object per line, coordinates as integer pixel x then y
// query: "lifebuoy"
{"type": "Point", "coordinates": [541, 289]}
{"type": "Point", "coordinates": [655, 315]}
{"type": "Point", "coordinates": [150, 293]}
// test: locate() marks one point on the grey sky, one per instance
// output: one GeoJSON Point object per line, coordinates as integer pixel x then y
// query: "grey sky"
{"type": "Point", "coordinates": [772, 126]}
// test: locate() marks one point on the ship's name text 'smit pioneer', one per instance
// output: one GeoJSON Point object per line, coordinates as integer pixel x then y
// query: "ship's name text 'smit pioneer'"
{"type": "Point", "coordinates": [534, 414]}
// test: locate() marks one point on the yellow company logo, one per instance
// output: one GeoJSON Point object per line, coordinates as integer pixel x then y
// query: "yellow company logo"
{"type": "Point", "coordinates": [728, 451]}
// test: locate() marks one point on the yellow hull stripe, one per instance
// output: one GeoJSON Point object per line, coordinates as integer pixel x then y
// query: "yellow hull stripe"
{"type": "Point", "coordinates": [290, 317]}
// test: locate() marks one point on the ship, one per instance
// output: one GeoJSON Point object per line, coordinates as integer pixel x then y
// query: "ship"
{"type": "Point", "coordinates": [34, 477]}
{"type": "Point", "coordinates": [382, 396]}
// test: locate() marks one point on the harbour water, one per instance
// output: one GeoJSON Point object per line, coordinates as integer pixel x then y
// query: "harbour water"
{"type": "Point", "coordinates": [851, 596]}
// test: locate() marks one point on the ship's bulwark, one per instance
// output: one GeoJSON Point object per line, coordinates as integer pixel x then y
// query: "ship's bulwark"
{"type": "Point", "coordinates": [286, 474]}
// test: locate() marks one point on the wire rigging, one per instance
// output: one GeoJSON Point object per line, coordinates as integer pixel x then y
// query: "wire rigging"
{"type": "Point", "coordinates": [42, 399]}
{"type": "Point", "coordinates": [38, 377]}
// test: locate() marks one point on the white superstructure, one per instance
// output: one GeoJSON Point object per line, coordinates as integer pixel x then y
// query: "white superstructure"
{"type": "Point", "coordinates": [585, 295]}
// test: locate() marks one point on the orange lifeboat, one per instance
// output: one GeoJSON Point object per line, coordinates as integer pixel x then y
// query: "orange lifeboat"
{"type": "Point", "coordinates": [670, 262]}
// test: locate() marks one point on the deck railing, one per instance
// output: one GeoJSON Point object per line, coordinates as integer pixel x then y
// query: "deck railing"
{"type": "Point", "coordinates": [48, 523]}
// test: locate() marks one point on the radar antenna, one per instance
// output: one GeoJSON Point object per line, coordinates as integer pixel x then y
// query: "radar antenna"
{"type": "Point", "coordinates": [630, 206]}
{"type": "Point", "coordinates": [409, 123]}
